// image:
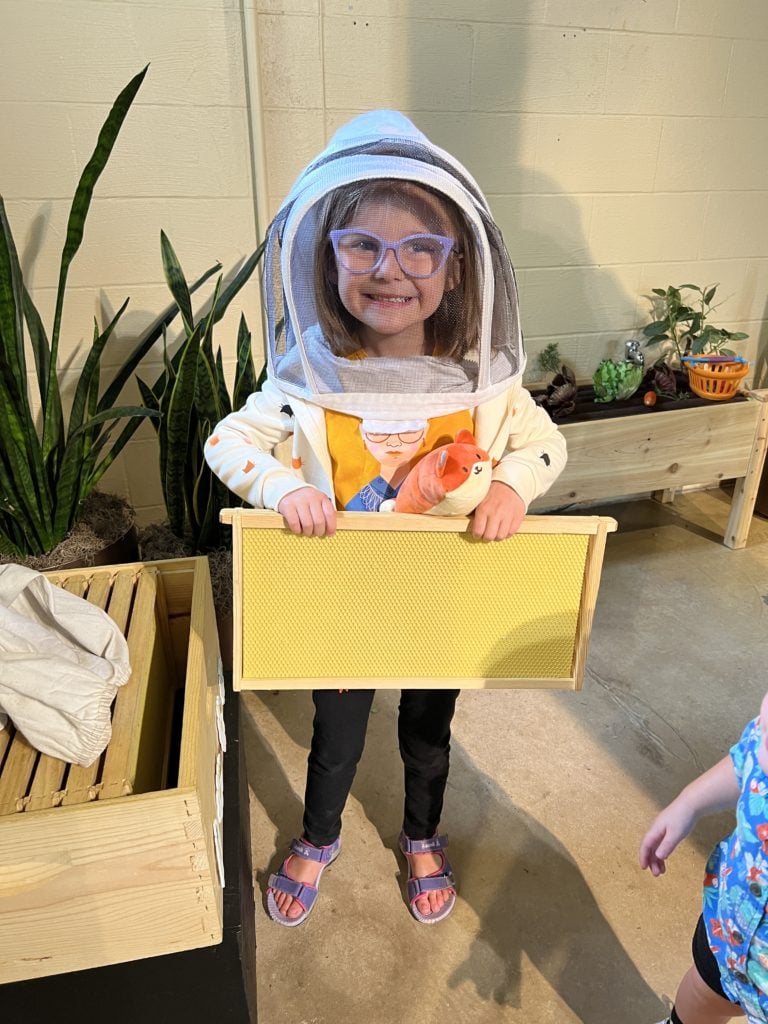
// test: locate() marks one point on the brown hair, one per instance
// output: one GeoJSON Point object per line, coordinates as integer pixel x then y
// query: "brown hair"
{"type": "Point", "coordinates": [453, 329]}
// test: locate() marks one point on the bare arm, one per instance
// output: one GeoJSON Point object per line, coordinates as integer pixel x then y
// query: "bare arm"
{"type": "Point", "coordinates": [716, 790]}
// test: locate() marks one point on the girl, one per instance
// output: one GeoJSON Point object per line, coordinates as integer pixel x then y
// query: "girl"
{"type": "Point", "coordinates": [730, 944]}
{"type": "Point", "coordinates": [392, 324]}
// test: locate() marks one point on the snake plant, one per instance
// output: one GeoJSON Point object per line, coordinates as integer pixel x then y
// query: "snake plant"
{"type": "Point", "coordinates": [50, 462]}
{"type": "Point", "coordinates": [189, 398]}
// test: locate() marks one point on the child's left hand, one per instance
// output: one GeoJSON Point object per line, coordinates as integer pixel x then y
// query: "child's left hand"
{"type": "Point", "coordinates": [499, 514]}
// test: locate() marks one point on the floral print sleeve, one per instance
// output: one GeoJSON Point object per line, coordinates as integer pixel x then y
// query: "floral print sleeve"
{"type": "Point", "coordinates": [736, 887]}
{"type": "Point", "coordinates": [743, 751]}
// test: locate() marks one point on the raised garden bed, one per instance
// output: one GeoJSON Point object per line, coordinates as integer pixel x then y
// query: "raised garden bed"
{"type": "Point", "coordinates": [625, 448]}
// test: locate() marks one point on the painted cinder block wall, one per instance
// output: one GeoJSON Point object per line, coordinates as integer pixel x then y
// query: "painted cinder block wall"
{"type": "Point", "coordinates": [182, 163]}
{"type": "Point", "coordinates": [623, 144]}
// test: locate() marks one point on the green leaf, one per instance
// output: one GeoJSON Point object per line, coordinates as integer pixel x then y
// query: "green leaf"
{"type": "Point", "coordinates": [178, 416]}
{"type": "Point", "coordinates": [657, 329]}
{"type": "Point", "coordinates": [76, 226]}
{"type": "Point", "coordinates": [150, 337]}
{"type": "Point", "coordinates": [737, 336]}
{"type": "Point", "coordinates": [174, 275]}
{"type": "Point", "coordinates": [710, 294]}
{"type": "Point", "coordinates": [245, 375]}
{"type": "Point", "coordinates": [235, 285]}
{"type": "Point", "coordinates": [659, 291]}
{"type": "Point", "coordinates": [693, 288]}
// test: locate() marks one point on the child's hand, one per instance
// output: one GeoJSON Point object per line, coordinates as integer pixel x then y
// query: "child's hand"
{"type": "Point", "coordinates": [499, 514]}
{"type": "Point", "coordinates": [309, 512]}
{"type": "Point", "coordinates": [670, 828]}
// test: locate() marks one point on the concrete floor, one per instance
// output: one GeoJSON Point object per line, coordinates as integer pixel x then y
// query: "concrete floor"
{"type": "Point", "coordinates": [549, 795]}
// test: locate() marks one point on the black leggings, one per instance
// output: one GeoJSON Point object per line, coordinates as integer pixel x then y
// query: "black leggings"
{"type": "Point", "coordinates": [341, 720]}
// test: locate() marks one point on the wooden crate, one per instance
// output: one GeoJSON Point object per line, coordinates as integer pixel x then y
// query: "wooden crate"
{"type": "Point", "coordinates": [121, 860]}
{"type": "Point", "coordinates": [664, 450]}
{"type": "Point", "coordinates": [399, 600]}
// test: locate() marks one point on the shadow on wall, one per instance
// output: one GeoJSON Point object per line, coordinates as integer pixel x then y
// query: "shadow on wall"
{"type": "Point", "coordinates": [564, 297]}
{"type": "Point", "coordinates": [527, 893]}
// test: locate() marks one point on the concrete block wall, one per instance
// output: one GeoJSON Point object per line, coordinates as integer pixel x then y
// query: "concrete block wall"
{"type": "Point", "coordinates": [182, 163]}
{"type": "Point", "coordinates": [623, 144]}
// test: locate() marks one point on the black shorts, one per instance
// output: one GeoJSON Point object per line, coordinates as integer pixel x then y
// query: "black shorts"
{"type": "Point", "coordinates": [704, 959]}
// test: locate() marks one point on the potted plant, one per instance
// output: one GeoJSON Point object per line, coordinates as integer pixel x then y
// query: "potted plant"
{"type": "Point", "coordinates": [559, 399]}
{"type": "Point", "coordinates": [714, 370]}
{"type": "Point", "coordinates": [188, 399]}
{"type": "Point", "coordinates": [49, 472]}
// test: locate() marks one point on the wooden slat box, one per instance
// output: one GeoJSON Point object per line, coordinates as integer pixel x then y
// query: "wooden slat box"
{"type": "Point", "coordinates": [399, 600]}
{"type": "Point", "coordinates": [119, 861]}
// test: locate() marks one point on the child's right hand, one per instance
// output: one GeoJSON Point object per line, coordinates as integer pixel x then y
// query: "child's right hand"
{"type": "Point", "coordinates": [670, 828]}
{"type": "Point", "coordinates": [309, 512]}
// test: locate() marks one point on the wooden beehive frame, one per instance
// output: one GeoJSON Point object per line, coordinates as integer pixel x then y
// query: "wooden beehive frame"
{"type": "Point", "coordinates": [248, 606]}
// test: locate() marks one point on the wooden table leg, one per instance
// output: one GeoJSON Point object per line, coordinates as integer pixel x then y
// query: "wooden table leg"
{"type": "Point", "coordinates": [745, 491]}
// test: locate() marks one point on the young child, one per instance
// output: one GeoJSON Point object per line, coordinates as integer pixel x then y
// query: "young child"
{"type": "Point", "coordinates": [730, 944]}
{"type": "Point", "coordinates": [392, 324]}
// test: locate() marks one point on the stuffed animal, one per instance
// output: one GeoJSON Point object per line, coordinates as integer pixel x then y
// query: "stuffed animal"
{"type": "Point", "coordinates": [451, 480]}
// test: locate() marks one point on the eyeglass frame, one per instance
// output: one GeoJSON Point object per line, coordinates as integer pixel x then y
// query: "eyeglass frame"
{"type": "Point", "coordinates": [447, 245]}
{"type": "Point", "coordinates": [381, 436]}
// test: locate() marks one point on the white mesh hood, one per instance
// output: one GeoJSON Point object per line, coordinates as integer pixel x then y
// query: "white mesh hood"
{"type": "Point", "coordinates": [309, 358]}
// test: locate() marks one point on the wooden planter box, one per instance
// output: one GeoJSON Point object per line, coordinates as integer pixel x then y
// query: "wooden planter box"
{"type": "Point", "coordinates": [121, 860]}
{"type": "Point", "coordinates": [663, 449]}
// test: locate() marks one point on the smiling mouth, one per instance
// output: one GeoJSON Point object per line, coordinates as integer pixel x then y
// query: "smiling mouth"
{"type": "Point", "coordinates": [394, 300]}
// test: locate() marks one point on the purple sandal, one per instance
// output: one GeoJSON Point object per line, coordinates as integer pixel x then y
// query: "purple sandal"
{"type": "Point", "coordinates": [439, 880]}
{"type": "Point", "coordinates": [304, 894]}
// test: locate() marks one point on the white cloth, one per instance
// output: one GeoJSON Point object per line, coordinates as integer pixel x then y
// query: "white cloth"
{"type": "Point", "coordinates": [61, 662]}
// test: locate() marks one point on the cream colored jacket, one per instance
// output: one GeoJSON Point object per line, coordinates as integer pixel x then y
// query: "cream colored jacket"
{"type": "Point", "coordinates": [528, 446]}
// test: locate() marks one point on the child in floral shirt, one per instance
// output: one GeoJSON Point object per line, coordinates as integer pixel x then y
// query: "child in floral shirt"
{"type": "Point", "coordinates": [730, 945]}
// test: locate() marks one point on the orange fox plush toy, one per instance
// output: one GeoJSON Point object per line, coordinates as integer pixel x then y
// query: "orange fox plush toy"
{"type": "Point", "coordinates": [451, 480]}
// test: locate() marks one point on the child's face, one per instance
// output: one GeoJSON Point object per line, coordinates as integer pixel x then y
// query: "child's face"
{"type": "Point", "coordinates": [762, 750]}
{"type": "Point", "coordinates": [390, 306]}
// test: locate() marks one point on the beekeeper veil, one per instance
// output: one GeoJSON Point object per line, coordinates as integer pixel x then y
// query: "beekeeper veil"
{"type": "Point", "coordinates": [334, 270]}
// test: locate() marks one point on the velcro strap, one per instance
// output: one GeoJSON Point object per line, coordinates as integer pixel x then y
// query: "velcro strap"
{"type": "Point", "coordinates": [321, 854]}
{"type": "Point", "coordinates": [434, 883]}
{"type": "Point", "coordinates": [304, 894]}
{"type": "Point", "coordinates": [433, 845]}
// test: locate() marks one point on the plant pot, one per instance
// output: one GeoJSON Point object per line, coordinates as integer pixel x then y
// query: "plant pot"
{"type": "Point", "coordinates": [717, 380]}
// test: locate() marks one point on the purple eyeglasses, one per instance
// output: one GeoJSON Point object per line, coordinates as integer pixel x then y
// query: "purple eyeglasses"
{"type": "Point", "coordinates": [363, 252]}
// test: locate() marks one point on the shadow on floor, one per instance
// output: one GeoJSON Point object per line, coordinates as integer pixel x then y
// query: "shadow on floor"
{"type": "Point", "coordinates": [527, 894]}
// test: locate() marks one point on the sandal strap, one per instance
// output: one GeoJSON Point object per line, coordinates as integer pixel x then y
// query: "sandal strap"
{"type": "Point", "coordinates": [304, 894]}
{"type": "Point", "coordinates": [432, 883]}
{"type": "Point", "coordinates": [434, 845]}
{"type": "Point", "coordinates": [320, 854]}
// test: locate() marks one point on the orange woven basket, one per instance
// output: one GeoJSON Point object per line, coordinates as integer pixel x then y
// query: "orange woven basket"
{"type": "Point", "coordinates": [716, 380]}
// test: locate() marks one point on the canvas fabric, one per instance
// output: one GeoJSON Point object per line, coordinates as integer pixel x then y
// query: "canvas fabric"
{"type": "Point", "coordinates": [61, 663]}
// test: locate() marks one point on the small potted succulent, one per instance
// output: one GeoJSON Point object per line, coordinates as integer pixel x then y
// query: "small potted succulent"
{"type": "Point", "coordinates": [559, 399]}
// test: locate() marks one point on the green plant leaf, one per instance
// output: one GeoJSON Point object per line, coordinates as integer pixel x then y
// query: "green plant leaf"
{"type": "Point", "coordinates": [245, 375]}
{"type": "Point", "coordinates": [149, 338]}
{"type": "Point", "coordinates": [693, 288]}
{"type": "Point", "coordinates": [75, 228]}
{"type": "Point", "coordinates": [657, 329]}
{"type": "Point", "coordinates": [177, 283]}
{"type": "Point", "coordinates": [243, 275]}
{"type": "Point", "coordinates": [710, 294]}
{"type": "Point", "coordinates": [178, 415]}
